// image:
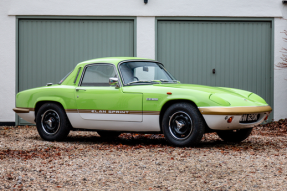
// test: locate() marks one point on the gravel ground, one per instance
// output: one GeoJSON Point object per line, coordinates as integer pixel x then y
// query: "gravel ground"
{"type": "Point", "coordinates": [142, 162]}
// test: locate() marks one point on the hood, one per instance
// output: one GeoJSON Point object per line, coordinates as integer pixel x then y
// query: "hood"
{"type": "Point", "coordinates": [223, 95]}
{"type": "Point", "coordinates": [209, 89]}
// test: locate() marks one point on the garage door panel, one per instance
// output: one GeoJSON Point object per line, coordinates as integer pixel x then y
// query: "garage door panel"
{"type": "Point", "coordinates": [240, 53]}
{"type": "Point", "coordinates": [49, 49]}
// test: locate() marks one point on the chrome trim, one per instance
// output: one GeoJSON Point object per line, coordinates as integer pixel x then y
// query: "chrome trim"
{"type": "Point", "coordinates": [62, 80]}
{"type": "Point", "coordinates": [113, 81]}
{"type": "Point", "coordinates": [84, 71]}
{"type": "Point", "coordinates": [49, 122]}
{"type": "Point", "coordinates": [180, 125]}
{"type": "Point", "coordinates": [152, 99]}
{"type": "Point", "coordinates": [77, 75]}
{"type": "Point", "coordinates": [77, 89]}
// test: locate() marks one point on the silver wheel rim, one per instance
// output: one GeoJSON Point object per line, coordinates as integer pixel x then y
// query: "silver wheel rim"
{"type": "Point", "coordinates": [180, 125]}
{"type": "Point", "coordinates": [50, 122]}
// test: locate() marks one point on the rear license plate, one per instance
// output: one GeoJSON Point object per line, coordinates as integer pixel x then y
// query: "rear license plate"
{"type": "Point", "coordinates": [249, 118]}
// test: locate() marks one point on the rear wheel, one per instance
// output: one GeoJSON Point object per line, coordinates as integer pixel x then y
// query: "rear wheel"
{"type": "Point", "coordinates": [234, 136]}
{"type": "Point", "coordinates": [52, 122]}
{"type": "Point", "coordinates": [183, 125]}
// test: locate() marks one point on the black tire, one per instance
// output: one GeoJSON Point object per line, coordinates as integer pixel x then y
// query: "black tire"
{"type": "Point", "coordinates": [234, 136]}
{"type": "Point", "coordinates": [52, 122]}
{"type": "Point", "coordinates": [109, 134]}
{"type": "Point", "coordinates": [183, 125]}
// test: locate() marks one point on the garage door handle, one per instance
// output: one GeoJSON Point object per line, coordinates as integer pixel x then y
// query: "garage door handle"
{"type": "Point", "coordinates": [213, 71]}
{"type": "Point", "coordinates": [77, 89]}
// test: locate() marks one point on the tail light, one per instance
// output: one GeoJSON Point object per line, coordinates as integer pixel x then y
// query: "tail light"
{"type": "Point", "coordinates": [266, 117]}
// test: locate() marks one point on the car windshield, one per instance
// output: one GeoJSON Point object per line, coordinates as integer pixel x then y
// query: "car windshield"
{"type": "Point", "coordinates": [138, 72]}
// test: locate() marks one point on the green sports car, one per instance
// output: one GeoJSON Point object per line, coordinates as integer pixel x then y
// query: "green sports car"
{"type": "Point", "coordinates": [128, 94]}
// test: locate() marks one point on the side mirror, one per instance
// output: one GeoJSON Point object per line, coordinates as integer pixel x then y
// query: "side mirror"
{"type": "Point", "coordinates": [113, 81]}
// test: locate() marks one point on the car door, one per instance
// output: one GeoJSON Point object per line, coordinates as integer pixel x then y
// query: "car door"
{"type": "Point", "coordinates": [97, 100]}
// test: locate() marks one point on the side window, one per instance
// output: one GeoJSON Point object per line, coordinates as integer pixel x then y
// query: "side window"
{"type": "Point", "coordinates": [98, 75]}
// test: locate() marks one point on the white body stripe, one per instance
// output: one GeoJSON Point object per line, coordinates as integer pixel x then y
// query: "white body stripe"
{"type": "Point", "coordinates": [29, 117]}
{"type": "Point", "coordinates": [111, 117]}
{"type": "Point", "coordinates": [150, 123]}
{"type": "Point", "coordinates": [218, 122]}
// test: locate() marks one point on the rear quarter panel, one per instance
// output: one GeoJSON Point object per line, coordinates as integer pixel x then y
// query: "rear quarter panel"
{"type": "Point", "coordinates": [59, 93]}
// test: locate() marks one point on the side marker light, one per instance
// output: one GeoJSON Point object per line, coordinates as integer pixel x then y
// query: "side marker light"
{"type": "Point", "coordinates": [266, 117]}
{"type": "Point", "coordinates": [229, 120]}
{"type": "Point", "coordinates": [168, 93]}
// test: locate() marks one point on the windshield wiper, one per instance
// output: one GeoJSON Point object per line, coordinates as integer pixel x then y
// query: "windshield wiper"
{"type": "Point", "coordinates": [169, 81]}
{"type": "Point", "coordinates": [141, 81]}
{"type": "Point", "coordinates": [152, 81]}
{"type": "Point", "coordinates": [162, 80]}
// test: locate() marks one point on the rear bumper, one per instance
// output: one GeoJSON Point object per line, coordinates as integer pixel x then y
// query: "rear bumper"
{"type": "Point", "coordinates": [21, 110]}
{"type": "Point", "coordinates": [27, 114]}
{"type": "Point", "coordinates": [216, 117]}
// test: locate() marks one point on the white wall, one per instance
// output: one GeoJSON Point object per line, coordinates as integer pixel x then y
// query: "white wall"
{"type": "Point", "coordinates": [146, 37]}
{"type": "Point", "coordinates": [7, 63]}
{"type": "Point", "coordinates": [145, 30]}
{"type": "Point", "coordinates": [280, 75]}
{"type": "Point", "coordinates": [239, 8]}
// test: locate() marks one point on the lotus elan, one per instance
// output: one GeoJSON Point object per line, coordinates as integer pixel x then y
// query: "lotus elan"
{"type": "Point", "coordinates": [128, 94]}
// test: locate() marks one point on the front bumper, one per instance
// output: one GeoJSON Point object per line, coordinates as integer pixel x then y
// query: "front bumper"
{"type": "Point", "coordinates": [216, 117]}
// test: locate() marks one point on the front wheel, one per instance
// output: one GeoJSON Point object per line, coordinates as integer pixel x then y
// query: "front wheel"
{"type": "Point", "coordinates": [234, 136]}
{"type": "Point", "coordinates": [183, 125]}
{"type": "Point", "coordinates": [52, 122]}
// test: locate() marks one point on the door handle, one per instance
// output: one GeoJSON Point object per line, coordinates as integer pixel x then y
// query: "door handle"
{"type": "Point", "coordinates": [77, 89]}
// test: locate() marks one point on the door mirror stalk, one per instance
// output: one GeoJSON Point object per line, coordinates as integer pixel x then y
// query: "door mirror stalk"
{"type": "Point", "coordinates": [114, 82]}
